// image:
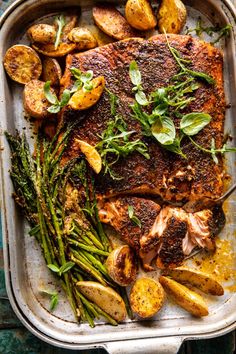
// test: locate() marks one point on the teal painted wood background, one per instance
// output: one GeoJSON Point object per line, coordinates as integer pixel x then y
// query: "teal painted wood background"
{"type": "Point", "coordinates": [15, 339]}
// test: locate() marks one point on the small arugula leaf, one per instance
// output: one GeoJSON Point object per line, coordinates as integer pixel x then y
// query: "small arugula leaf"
{"type": "Point", "coordinates": [53, 268]}
{"type": "Point", "coordinates": [65, 98]}
{"type": "Point", "coordinates": [223, 32]}
{"type": "Point", "coordinates": [60, 21]}
{"type": "Point", "coordinates": [213, 154]}
{"type": "Point", "coordinates": [199, 75]}
{"type": "Point", "coordinates": [66, 267]}
{"type": "Point", "coordinates": [134, 73]}
{"type": "Point", "coordinates": [164, 131]}
{"type": "Point", "coordinates": [193, 123]}
{"type": "Point", "coordinates": [142, 118]}
{"type": "Point", "coordinates": [141, 98]}
{"type": "Point", "coordinates": [132, 217]}
{"type": "Point", "coordinates": [51, 97]}
{"type": "Point", "coordinates": [54, 302]}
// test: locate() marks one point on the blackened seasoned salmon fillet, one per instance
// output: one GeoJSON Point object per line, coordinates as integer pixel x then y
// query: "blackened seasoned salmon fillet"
{"type": "Point", "coordinates": [165, 174]}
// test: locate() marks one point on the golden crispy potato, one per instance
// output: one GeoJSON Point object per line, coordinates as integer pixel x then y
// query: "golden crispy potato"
{"type": "Point", "coordinates": [35, 102]}
{"type": "Point", "coordinates": [139, 14]}
{"type": "Point", "coordinates": [200, 280]}
{"type": "Point", "coordinates": [146, 297]}
{"type": "Point", "coordinates": [83, 99]}
{"type": "Point", "coordinates": [105, 297]}
{"type": "Point", "coordinates": [83, 38]}
{"type": "Point", "coordinates": [122, 265]}
{"type": "Point", "coordinates": [110, 21]}
{"type": "Point", "coordinates": [71, 21]}
{"type": "Point", "coordinates": [184, 297]}
{"type": "Point", "coordinates": [171, 16]}
{"type": "Point", "coordinates": [22, 63]}
{"type": "Point", "coordinates": [51, 71]}
{"type": "Point", "coordinates": [91, 154]}
{"type": "Point", "coordinates": [42, 33]}
{"type": "Point", "coordinates": [49, 49]}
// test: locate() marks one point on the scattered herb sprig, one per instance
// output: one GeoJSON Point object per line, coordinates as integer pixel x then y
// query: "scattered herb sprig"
{"type": "Point", "coordinates": [210, 30]}
{"type": "Point", "coordinates": [115, 140]}
{"type": "Point", "coordinates": [52, 98]}
{"type": "Point", "coordinates": [83, 80]}
{"type": "Point", "coordinates": [133, 217]}
{"type": "Point", "coordinates": [53, 298]}
{"type": "Point", "coordinates": [61, 22]}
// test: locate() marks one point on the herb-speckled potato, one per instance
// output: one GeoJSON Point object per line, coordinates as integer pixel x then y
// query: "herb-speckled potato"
{"type": "Point", "coordinates": [35, 102]}
{"type": "Point", "coordinates": [105, 297]}
{"type": "Point", "coordinates": [139, 14]}
{"type": "Point", "coordinates": [146, 297]}
{"type": "Point", "coordinates": [171, 16]}
{"type": "Point", "coordinates": [83, 38]}
{"type": "Point", "coordinates": [184, 297]}
{"type": "Point", "coordinates": [122, 265]}
{"type": "Point", "coordinates": [111, 22]}
{"type": "Point", "coordinates": [200, 280]}
{"type": "Point", "coordinates": [42, 33]}
{"type": "Point", "coordinates": [22, 63]}
{"type": "Point", "coordinates": [51, 71]}
{"type": "Point", "coordinates": [83, 99]}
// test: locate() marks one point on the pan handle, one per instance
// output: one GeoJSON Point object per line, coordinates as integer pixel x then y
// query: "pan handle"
{"type": "Point", "coordinates": [167, 345]}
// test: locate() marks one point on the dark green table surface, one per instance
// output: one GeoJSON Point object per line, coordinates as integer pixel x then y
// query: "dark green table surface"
{"type": "Point", "coordinates": [15, 339]}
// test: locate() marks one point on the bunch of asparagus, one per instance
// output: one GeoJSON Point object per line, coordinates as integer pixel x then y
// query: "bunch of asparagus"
{"type": "Point", "coordinates": [59, 201]}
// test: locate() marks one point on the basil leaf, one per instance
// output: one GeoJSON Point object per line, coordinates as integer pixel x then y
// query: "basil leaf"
{"type": "Point", "coordinates": [65, 98]}
{"type": "Point", "coordinates": [192, 123]}
{"type": "Point", "coordinates": [141, 98]}
{"type": "Point", "coordinates": [67, 266]}
{"type": "Point", "coordinates": [164, 131]}
{"type": "Point", "coordinates": [51, 97]}
{"type": "Point", "coordinates": [54, 109]}
{"type": "Point", "coordinates": [53, 268]}
{"type": "Point", "coordinates": [60, 23]}
{"type": "Point", "coordinates": [88, 86]}
{"type": "Point", "coordinates": [134, 73]}
{"type": "Point", "coordinates": [54, 302]}
{"type": "Point", "coordinates": [203, 76]}
{"type": "Point", "coordinates": [87, 76]}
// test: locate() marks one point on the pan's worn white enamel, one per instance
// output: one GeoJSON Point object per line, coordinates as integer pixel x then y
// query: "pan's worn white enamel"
{"type": "Point", "coordinates": [26, 273]}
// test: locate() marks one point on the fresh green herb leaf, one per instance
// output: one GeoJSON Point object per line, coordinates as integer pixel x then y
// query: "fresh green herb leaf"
{"type": "Point", "coordinates": [164, 131]}
{"type": "Point", "coordinates": [76, 73]}
{"type": "Point", "coordinates": [65, 98]}
{"type": "Point", "coordinates": [51, 97]}
{"type": "Point", "coordinates": [88, 86]}
{"type": "Point", "coordinates": [133, 217]}
{"type": "Point", "coordinates": [113, 102]}
{"type": "Point", "coordinates": [202, 76]}
{"type": "Point", "coordinates": [193, 123]}
{"type": "Point", "coordinates": [86, 76]}
{"type": "Point", "coordinates": [134, 73]}
{"type": "Point", "coordinates": [176, 148]}
{"type": "Point", "coordinates": [224, 32]}
{"type": "Point", "coordinates": [142, 118]}
{"type": "Point", "coordinates": [65, 267]}
{"type": "Point", "coordinates": [83, 80]}
{"type": "Point", "coordinates": [60, 21]}
{"type": "Point", "coordinates": [54, 302]}
{"type": "Point", "coordinates": [53, 268]}
{"type": "Point", "coordinates": [77, 86]}
{"type": "Point", "coordinates": [54, 109]}
{"type": "Point", "coordinates": [141, 98]}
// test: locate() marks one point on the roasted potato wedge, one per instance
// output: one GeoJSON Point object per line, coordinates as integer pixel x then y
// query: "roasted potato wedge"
{"type": "Point", "coordinates": [51, 71]}
{"type": "Point", "coordinates": [105, 297]}
{"type": "Point", "coordinates": [200, 280]}
{"type": "Point", "coordinates": [83, 38]}
{"type": "Point", "coordinates": [171, 16]}
{"type": "Point", "coordinates": [122, 265]}
{"type": "Point", "coordinates": [91, 154]}
{"type": "Point", "coordinates": [22, 63]}
{"type": "Point", "coordinates": [82, 99]}
{"type": "Point", "coordinates": [146, 297]}
{"type": "Point", "coordinates": [139, 14]}
{"type": "Point", "coordinates": [49, 49]}
{"type": "Point", "coordinates": [71, 21]}
{"type": "Point", "coordinates": [35, 102]}
{"type": "Point", "coordinates": [110, 21]}
{"type": "Point", "coordinates": [42, 33]}
{"type": "Point", "coordinates": [184, 297]}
